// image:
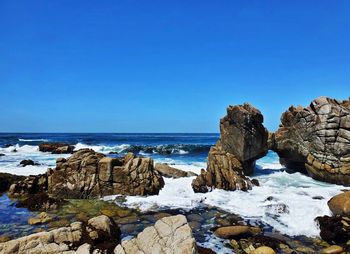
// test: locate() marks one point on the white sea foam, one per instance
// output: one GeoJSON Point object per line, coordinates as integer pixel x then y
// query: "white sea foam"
{"type": "Point", "coordinates": [102, 148]}
{"type": "Point", "coordinates": [33, 140]}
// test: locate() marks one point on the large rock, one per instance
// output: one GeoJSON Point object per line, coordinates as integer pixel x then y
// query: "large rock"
{"type": "Point", "coordinates": [29, 185]}
{"type": "Point", "coordinates": [230, 232]}
{"type": "Point", "coordinates": [334, 230]}
{"type": "Point", "coordinates": [168, 235]}
{"type": "Point", "coordinates": [6, 180]}
{"type": "Point", "coordinates": [340, 204]}
{"type": "Point", "coordinates": [100, 234]}
{"type": "Point", "coordinates": [243, 140]}
{"type": "Point", "coordinates": [168, 171]}
{"type": "Point", "coordinates": [317, 139]}
{"type": "Point", "coordinates": [56, 148]}
{"type": "Point", "coordinates": [88, 174]}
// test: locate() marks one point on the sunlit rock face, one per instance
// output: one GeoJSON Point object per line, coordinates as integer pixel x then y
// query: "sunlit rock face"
{"type": "Point", "coordinates": [316, 139]}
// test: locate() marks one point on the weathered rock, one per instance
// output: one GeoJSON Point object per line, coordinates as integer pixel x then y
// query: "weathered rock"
{"type": "Point", "coordinates": [7, 179]}
{"type": "Point", "coordinates": [236, 231]}
{"type": "Point", "coordinates": [243, 140]}
{"type": "Point", "coordinates": [168, 235]}
{"type": "Point", "coordinates": [29, 185]}
{"type": "Point", "coordinates": [334, 249]}
{"type": "Point", "coordinates": [317, 139]}
{"type": "Point", "coordinates": [24, 163]}
{"type": "Point", "coordinates": [340, 204]}
{"type": "Point", "coordinates": [263, 250]}
{"type": "Point", "coordinates": [40, 202]}
{"type": "Point", "coordinates": [67, 239]}
{"type": "Point", "coordinates": [56, 148]}
{"type": "Point", "coordinates": [334, 230]}
{"type": "Point", "coordinates": [40, 219]}
{"type": "Point", "coordinates": [88, 174]}
{"type": "Point", "coordinates": [167, 171]}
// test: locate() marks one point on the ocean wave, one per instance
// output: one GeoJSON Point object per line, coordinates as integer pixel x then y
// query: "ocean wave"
{"type": "Point", "coordinates": [33, 140]}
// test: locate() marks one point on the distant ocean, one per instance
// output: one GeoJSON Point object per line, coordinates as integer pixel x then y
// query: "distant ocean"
{"type": "Point", "coordinates": [288, 202]}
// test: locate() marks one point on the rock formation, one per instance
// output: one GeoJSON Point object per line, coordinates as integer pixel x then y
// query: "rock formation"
{"type": "Point", "coordinates": [167, 171]}
{"type": "Point", "coordinates": [6, 180]}
{"type": "Point", "coordinates": [243, 140]}
{"type": "Point", "coordinates": [56, 148]}
{"type": "Point", "coordinates": [100, 234]}
{"type": "Point", "coordinates": [88, 174]}
{"type": "Point", "coordinates": [29, 185]}
{"type": "Point", "coordinates": [168, 235]}
{"type": "Point", "coordinates": [340, 204]}
{"type": "Point", "coordinates": [316, 139]}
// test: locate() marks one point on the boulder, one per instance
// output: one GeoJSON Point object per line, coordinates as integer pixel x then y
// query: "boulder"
{"type": "Point", "coordinates": [334, 230]}
{"type": "Point", "coordinates": [316, 139]}
{"type": "Point", "coordinates": [263, 250]}
{"type": "Point", "coordinates": [7, 179]}
{"type": "Point", "coordinates": [2, 154]}
{"type": "Point", "coordinates": [340, 204]}
{"type": "Point", "coordinates": [56, 148]}
{"type": "Point", "coordinates": [88, 174]}
{"type": "Point", "coordinates": [77, 236]}
{"type": "Point", "coordinates": [334, 249]}
{"type": "Point", "coordinates": [168, 235]}
{"type": "Point", "coordinates": [29, 185]}
{"type": "Point", "coordinates": [167, 171]}
{"type": "Point", "coordinates": [24, 163]}
{"type": "Point", "coordinates": [40, 219]}
{"type": "Point", "coordinates": [243, 140]}
{"type": "Point", "coordinates": [230, 232]}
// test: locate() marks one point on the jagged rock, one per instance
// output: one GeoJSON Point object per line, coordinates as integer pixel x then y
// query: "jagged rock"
{"type": "Point", "coordinates": [317, 139]}
{"type": "Point", "coordinates": [24, 163]}
{"type": "Point", "coordinates": [243, 140]}
{"type": "Point", "coordinates": [334, 230]}
{"type": "Point", "coordinates": [88, 174]}
{"type": "Point", "coordinates": [230, 232]}
{"type": "Point", "coordinates": [167, 171]}
{"type": "Point", "coordinates": [168, 235]}
{"type": "Point", "coordinates": [29, 185]}
{"type": "Point", "coordinates": [244, 135]}
{"type": "Point", "coordinates": [340, 204]}
{"type": "Point", "coordinates": [224, 171]}
{"type": "Point", "coordinates": [56, 148]}
{"type": "Point", "coordinates": [39, 202]}
{"type": "Point", "coordinates": [7, 179]}
{"type": "Point", "coordinates": [40, 219]}
{"type": "Point", "coordinates": [77, 236]}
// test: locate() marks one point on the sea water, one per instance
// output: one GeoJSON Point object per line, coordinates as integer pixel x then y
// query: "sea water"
{"type": "Point", "coordinates": [289, 202]}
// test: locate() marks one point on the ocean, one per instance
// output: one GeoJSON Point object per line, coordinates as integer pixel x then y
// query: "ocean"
{"type": "Point", "coordinates": [288, 202]}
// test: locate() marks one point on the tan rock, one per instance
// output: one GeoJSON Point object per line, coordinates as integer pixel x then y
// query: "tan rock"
{"type": "Point", "coordinates": [168, 171]}
{"type": "Point", "coordinates": [263, 250]}
{"type": "Point", "coordinates": [235, 231]}
{"type": "Point", "coordinates": [340, 204]}
{"type": "Point", "coordinates": [334, 249]}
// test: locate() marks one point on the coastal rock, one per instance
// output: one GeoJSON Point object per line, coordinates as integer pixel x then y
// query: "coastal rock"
{"type": "Point", "coordinates": [224, 171]}
{"type": "Point", "coordinates": [40, 219]}
{"type": "Point", "coordinates": [334, 230]}
{"type": "Point", "coordinates": [243, 140]}
{"type": "Point", "coordinates": [88, 174]}
{"type": "Point", "coordinates": [334, 249]}
{"type": "Point", "coordinates": [263, 250]}
{"type": "Point", "coordinates": [167, 171]}
{"type": "Point", "coordinates": [236, 231]}
{"type": "Point", "coordinates": [316, 139]}
{"type": "Point", "coordinates": [340, 204]}
{"type": "Point", "coordinates": [6, 180]}
{"type": "Point", "coordinates": [67, 239]}
{"type": "Point", "coordinates": [39, 202]}
{"type": "Point", "coordinates": [56, 148]}
{"type": "Point", "coordinates": [2, 154]}
{"type": "Point", "coordinates": [24, 163]}
{"type": "Point", "coordinates": [29, 185]}
{"type": "Point", "coordinates": [168, 235]}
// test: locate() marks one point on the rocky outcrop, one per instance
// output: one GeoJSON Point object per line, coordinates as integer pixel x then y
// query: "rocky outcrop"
{"type": "Point", "coordinates": [167, 171]}
{"type": "Point", "coordinates": [24, 163]}
{"type": "Point", "coordinates": [99, 234]}
{"type": "Point", "coordinates": [168, 235]}
{"type": "Point", "coordinates": [340, 204]}
{"type": "Point", "coordinates": [6, 180]}
{"type": "Point", "coordinates": [56, 148]}
{"type": "Point", "coordinates": [316, 139]}
{"type": "Point", "coordinates": [243, 140]}
{"type": "Point", "coordinates": [88, 174]}
{"type": "Point", "coordinates": [334, 230]}
{"type": "Point", "coordinates": [29, 185]}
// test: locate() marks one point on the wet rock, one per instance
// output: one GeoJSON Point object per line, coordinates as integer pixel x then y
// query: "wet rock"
{"type": "Point", "coordinates": [316, 139]}
{"type": "Point", "coordinates": [29, 185]}
{"type": "Point", "coordinates": [203, 250]}
{"type": "Point", "coordinates": [167, 171]}
{"type": "Point", "coordinates": [1, 154]}
{"type": "Point", "coordinates": [168, 235]}
{"type": "Point", "coordinates": [334, 230]}
{"type": "Point", "coordinates": [24, 163]}
{"type": "Point", "coordinates": [236, 231]}
{"type": "Point", "coordinates": [334, 249]}
{"type": "Point", "coordinates": [88, 174]}
{"type": "Point", "coordinates": [68, 239]}
{"type": "Point", "coordinates": [4, 238]}
{"type": "Point", "coordinates": [6, 180]}
{"type": "Point", "coordinates": [243, 140]}
{"type": "Point", "coordinates": [263, 250]}
{"type": "Point", "coordinates": [40, 202]}
{"type": "Point", "coordinates": [42, 218]}
{"type": "Point", "coordinates": [56, 148]}
{"type": "Point", "coordinates": [340, 204]}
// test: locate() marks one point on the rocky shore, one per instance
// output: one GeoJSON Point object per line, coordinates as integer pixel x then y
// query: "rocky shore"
{"type": "Point", "coordinates": [314, 140]}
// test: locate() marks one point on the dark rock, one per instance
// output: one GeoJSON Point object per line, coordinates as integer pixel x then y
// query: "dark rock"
{"type": "Point", "coordinates": [8, 145]}
{"type": "Point", "coordinates": [40, 202]}
{"type": "Point", "coordinates": [1, 154]}
{"type": "Point", "coordinates": [203, 250]}
{"type": "Point", "coordinates": [24, 163]}
{"type": "Point", "coordinates": [88, 174]}
{"type": "Point", "coordinates": [29, 185]}
{"type": "Point", "coordinates": [334, 230]}
{"type": "Point", "coordinates": [7, 179]}
{"type": "Point", "coordinates": [167, 171]}
{"type": "Point", "coordinates": [316, 139]}
{"type": "Point", "coordinates": [56, 148]}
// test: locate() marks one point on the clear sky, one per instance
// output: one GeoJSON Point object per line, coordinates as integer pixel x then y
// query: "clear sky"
{"type": "Point", "coordinates": [165, 66]}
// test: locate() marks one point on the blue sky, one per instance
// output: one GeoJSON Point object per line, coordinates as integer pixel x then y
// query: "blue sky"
{"type": "Point", "coordinates": [165, 66]}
